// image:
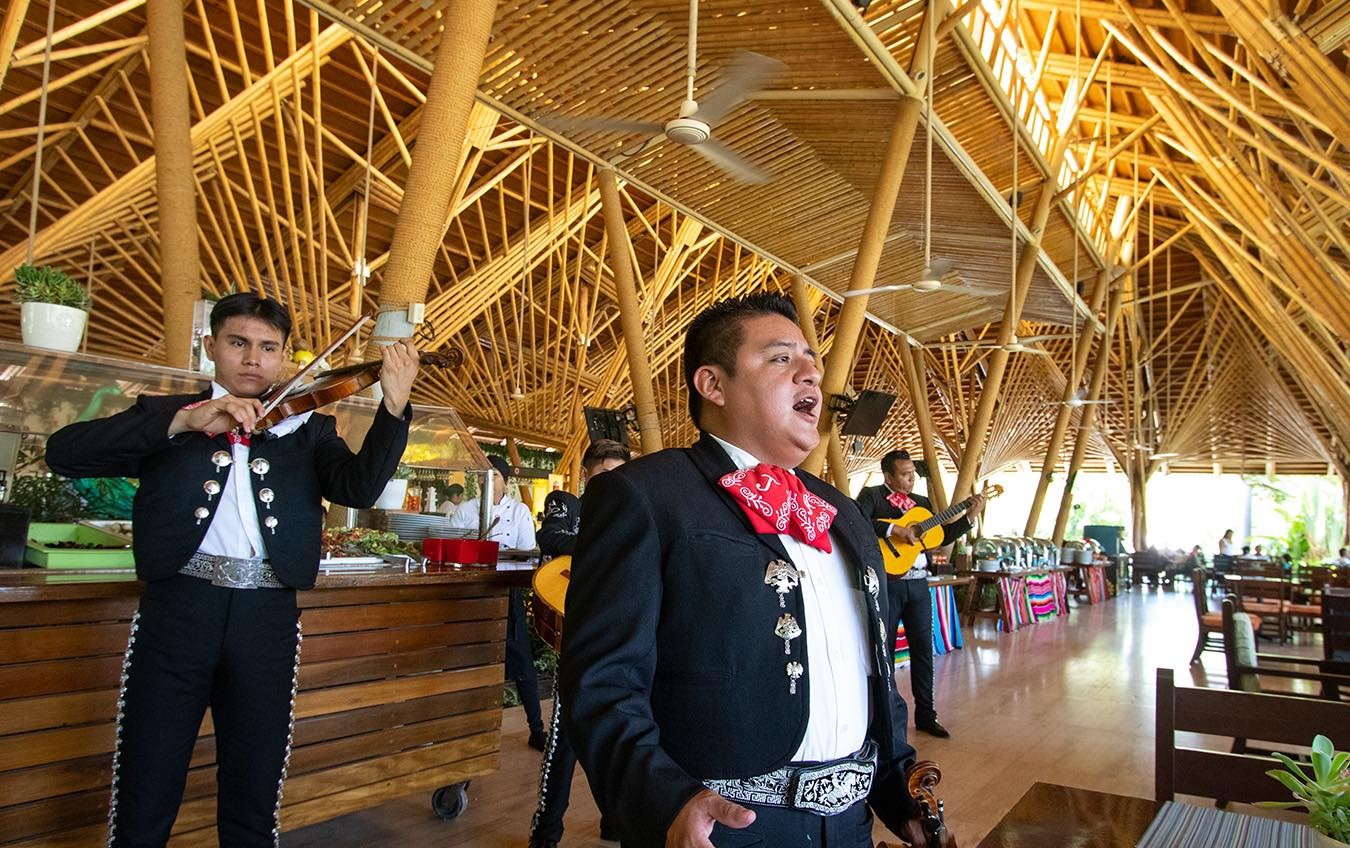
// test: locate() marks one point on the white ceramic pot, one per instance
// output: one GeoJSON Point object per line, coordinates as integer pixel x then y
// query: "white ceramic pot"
{"type": "Point", "coordinates": [53, 326]}
{"type": "Point", "coordinates": [395, 491]}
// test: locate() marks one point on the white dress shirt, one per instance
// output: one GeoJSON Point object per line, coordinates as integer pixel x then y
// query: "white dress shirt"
{"type": "Point", "coordinates": [512, 524]}
{"type": "Point", "coordinates": [235, 530]}
{"type": "Point", "coordinates": [835, 625]}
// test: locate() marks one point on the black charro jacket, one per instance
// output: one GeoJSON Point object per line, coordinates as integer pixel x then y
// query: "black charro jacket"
{"type": "Point", "coordinates": [671, 672]}
{"type": "Point", "coordinates": [311, 463]}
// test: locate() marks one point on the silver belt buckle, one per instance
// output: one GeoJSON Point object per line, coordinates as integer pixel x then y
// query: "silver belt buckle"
{"type": "Point", "coordinates": [832, 789]}
{"type": "Point", "coordinates": [236, 573]}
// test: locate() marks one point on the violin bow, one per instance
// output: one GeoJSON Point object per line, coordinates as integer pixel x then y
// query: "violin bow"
{"type": "Point", "coordinates": [280, 395]}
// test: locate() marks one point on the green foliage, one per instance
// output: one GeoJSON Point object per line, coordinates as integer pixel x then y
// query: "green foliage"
{"type": "Point", "coordinates": [47, 498]}
{"type": "Point", "coordinates": [47, 284]}
{"type": "Point", "coordinates": [1325, 794]}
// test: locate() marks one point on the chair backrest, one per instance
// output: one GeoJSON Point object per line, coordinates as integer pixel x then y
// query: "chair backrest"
{"type": "Point", "coordinates": [1239, 648]}
{"type": "Point", "coordinates": [1198, 592]}
{"type": "Point", "coordinates": [1336, 625]}
{"type": "Point", "coordinates": [1283, 719]}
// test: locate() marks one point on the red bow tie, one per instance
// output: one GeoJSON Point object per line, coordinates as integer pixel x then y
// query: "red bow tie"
{"type": "Point", "coordinates": [901, 501]}
{"type": "Point", "coordinates": [777, 502]}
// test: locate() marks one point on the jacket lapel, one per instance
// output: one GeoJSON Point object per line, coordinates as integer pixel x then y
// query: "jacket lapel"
{"type": "Point", "coordinates": [714, 464]}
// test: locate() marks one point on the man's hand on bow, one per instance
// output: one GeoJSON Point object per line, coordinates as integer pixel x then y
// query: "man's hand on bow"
{"type": "Point", "coordinates": [217, 416]}
{"type": "Point", "coordinates": [694, 824]}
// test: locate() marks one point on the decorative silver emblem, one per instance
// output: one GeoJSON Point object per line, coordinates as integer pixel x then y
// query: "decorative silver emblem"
{"type": "Point", "coordinates": [787, 630]}
{"type": "Point", "coordinates": [202, 513]}
{"type": "Point", "coordinates": [267, 496]}
{"type": "Point", "coordinates": [870, 580]}
{"type": "Point", "coordinates": [794, 672]}
{"type": "Point", "coordinates": [260, 467]}
{"type": "Point", "coordinates": [212, 488]}
{"type": "Point", "coordinates": [221, 458]}
{"type": "Point", "coordinates": [783, 576]}
{"type": "Point", "coordinates": [270, 522]}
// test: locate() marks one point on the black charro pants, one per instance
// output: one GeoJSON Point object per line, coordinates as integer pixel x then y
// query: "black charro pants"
{"type": "Point", "coordinates": [775, 827]}
{"type": "Point", "coordinates": [520, 660]}
{"type": "Point", "coordinates": [555, 779]}
{"type": "Point", "coordinates": [911, 603]}
{"type": "Point", "coordinates": [195, 645]}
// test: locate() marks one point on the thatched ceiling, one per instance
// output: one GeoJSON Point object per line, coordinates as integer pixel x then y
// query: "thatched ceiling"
{"type": "Point", "coordinates": [1230, 348]}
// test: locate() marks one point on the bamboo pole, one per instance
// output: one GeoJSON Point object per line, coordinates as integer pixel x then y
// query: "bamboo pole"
{"type": "Point", "coordinates": [426, 199]}
{"type": "Point", "coordinates": [630, 312]}
{"type": "Point", "coordinates": [526, 491]}
{"type": "Point", "coordinates": [848, 327]}
{"type": "Point", "coordinates": [1089, 412]}
{"type": "Point", "coordinates": [9, 34]}
{"type": "Point", "coordinates": [838, 463]}
{"type": "Point", "coordinates": [1012, 314]}
{"type": "Point", "coordinates": [175, 187]}
{"type": "Point", "coordinates": [916, 378]}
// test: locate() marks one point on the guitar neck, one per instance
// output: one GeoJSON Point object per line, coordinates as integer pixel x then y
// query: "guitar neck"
{"type": "Point", "coordinates": [943, 517]}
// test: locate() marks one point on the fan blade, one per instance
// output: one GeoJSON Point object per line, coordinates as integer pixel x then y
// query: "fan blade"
{"type": "Point", "coordinates": [942, 267]}
{"type": "Point", "coordinates": [601, 124]}
{"type": "Point", "coordinates": [878, 290]}
{"type": "Point", "coordinates": [728, 160]}
{"type": "Point", "coordinates": [1045, 338]}
{"type": "Point", "coordinates": [747, 73]}
{"type": "Point", "coordinates": [636, 149]}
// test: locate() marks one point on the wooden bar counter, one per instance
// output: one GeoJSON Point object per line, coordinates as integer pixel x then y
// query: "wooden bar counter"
{"type": "Point", "coordinates": [399, 691]}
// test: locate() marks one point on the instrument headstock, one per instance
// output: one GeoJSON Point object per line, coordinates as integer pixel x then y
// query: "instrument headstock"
{"type": "Point", "coordinates": [451, 357]}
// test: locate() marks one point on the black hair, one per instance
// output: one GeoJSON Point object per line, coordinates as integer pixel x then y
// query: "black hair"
{"type": "Point", "coordinates": [601, 450]}
{"type": "Point", "coordinates": [716, 333]}
{"type": "Point", "coordinates": [454, 491]}
{"type": "Point", "coordinates": [250, 305]}
{"type": "Point", "coordinates": [889, 461]}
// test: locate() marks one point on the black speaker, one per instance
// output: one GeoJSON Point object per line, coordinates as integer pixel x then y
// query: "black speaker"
{"type": "Point", "coordinates": [868, 413]}
{"type": "Point", "coordinates": [606, 424]}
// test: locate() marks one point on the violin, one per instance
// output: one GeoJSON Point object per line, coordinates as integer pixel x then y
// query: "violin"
{"type": "Point", "coordinates": [332, 386]}
{"type": "Point", "coordinates": [924, 777]}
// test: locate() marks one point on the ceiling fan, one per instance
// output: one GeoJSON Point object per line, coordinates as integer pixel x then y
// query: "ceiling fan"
{"type": "Point", "coordinates": [1014, 345]}
{"type": "Point", "coordinates": [930, 280]}
{"type": "Point", "coordinates": [747, 73]}
{"type": "Point", "coordinates": [1078, 399]}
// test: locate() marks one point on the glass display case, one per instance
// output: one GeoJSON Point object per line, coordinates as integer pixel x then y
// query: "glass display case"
{"type": "Point", "coordinates": [42, 391]}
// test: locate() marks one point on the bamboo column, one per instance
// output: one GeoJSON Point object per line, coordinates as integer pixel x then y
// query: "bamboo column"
{"type": "Point", "coordinates": [916, 377]}
{"type": "Point", "coordinates": [838, 464]}
{"type": "Point", "coordinates": [1138, 505]}
{"type": "Point", "coordinates": [848, 327]}
{"type": "Point", "coordinates": [1061, 428]}
{"type": "Point", "coordinates": [175, 187]}
{"type": "Point", "coordinates": [1089, 411]}
{"type": "Point", "coordinates": [431, 178]}
{"type": "Point", "coordinates": [9, 33]}
{"type": "Point", "coordinates": [630, 312]}
{"type": "Point", "coordinates": [526, 492]}
{"type": "Point", "coordinates": [1012, 313]}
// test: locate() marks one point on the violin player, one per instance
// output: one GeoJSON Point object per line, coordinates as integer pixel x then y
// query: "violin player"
{"type": "Point", "coordinates": [227, 529]}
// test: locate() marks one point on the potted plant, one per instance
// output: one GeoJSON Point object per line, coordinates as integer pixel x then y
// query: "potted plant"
{"type": "Point", "coordinates": [1325, 795]}
{"type": "Point", "coordinates": [54, 307]}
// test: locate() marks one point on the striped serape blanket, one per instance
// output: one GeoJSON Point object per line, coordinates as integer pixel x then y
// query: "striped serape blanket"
{"type": "Point", "coordinates": [1189, 826]}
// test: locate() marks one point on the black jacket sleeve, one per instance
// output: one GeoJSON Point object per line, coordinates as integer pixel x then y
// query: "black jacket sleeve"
{"type": "Point", "coordinates": [116, 445]}
{"type": "Point", "coordinates": [562, 522]}
{"type": "Point", "coordinates": [608, 663]}
{"type": "Point", "coordinates": [357, 479]}
{"type": "Point", "coordinates": [874, 506]}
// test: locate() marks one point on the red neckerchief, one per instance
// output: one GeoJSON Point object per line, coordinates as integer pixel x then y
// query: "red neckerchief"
{"type": "Point", "coordinates": [776, 502]}
{"type": "Point", "coordinates": [235, 437]}
{"type": "Point", "coordinates": [901, 501]}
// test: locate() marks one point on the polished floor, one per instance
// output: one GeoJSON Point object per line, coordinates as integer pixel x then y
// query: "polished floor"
{"type": "Point", "coordinates": [1068, 701]}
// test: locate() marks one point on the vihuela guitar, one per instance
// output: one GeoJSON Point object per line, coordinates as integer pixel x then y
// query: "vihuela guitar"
{"type": "Point", "coordinates": [550, 594]}
{"type": "Point", "coordinates": [899, 557]}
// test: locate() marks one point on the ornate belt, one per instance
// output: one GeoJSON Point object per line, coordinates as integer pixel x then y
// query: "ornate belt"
{"type": "Point", "coordinates": [829, 788]}
{"type": "Point", "coordinates": [232, 572]}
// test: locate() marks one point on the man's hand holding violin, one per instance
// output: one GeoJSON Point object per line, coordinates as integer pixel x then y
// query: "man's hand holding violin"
{"type": "Point", "coordinates": [400, 363]}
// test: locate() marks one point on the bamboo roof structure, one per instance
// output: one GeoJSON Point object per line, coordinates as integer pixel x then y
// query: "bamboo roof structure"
{"type": "Point", "coordinates": [1220, 126]}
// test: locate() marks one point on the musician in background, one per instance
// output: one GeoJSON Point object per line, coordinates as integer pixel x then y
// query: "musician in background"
{"type": "Point", "coordinates": [908, 593]}
{"type": "Point", "coordinates": [557, 537]}
{"type": "Point", "coordinates": [512, 527]}
{"type": "Point", "coordinates": [227, 529]}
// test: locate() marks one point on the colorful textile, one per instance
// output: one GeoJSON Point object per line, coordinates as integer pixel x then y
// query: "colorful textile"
{"type": "Point", "coordinates": [1041, 600]}
{"type": "Point", "coordinates": [1189, 826]}
{"type": "Point", "coordinates": [775, 501]}
{"type": "Point", "coordinates": [1014, 608]}
{"type": "Point", "coordinates": [1095, 575]}
{"type": "Point", "coordinates": [946, 625]}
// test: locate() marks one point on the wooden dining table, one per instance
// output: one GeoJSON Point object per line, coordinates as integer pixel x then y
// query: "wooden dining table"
{"type": "Point", "coordinates": [1067, 817]}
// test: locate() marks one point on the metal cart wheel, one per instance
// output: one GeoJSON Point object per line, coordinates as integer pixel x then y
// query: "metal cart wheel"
{"type": "Point", "coordinates": [450, 802]}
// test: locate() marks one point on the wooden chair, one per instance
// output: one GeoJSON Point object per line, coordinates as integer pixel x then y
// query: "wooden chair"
{"type": "Point", "coordinates": [1336, 628]}
{"type": "Point", "coordinates": [1268, 601]}
{"type": "Point", "coordinates": [1225, 775]}
{"type": "Point", "coordinates": [1210, 624]}
{"type": "Point", "coordinates": [1246, 666]}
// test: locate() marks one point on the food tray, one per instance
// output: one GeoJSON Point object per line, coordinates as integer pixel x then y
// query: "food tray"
{"type": "Point", "coordinates": [42, 535]}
